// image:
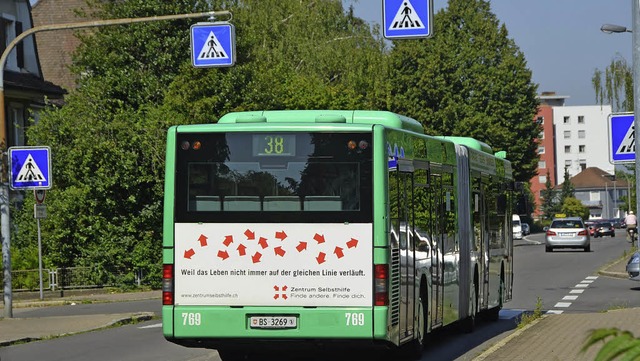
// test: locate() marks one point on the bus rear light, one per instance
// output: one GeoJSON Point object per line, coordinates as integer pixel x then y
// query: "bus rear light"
{"type": "Point", "coordinates": [167, 284]}
{"type": "Point", "coordinates": [381, 276]}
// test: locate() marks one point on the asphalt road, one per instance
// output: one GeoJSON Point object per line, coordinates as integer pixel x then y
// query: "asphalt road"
{"type": "Point", "coordinates": [549, 276]}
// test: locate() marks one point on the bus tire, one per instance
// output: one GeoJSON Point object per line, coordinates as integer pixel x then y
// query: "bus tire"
{"type": "Point", "coordinates": [469, 323]}
{"type": "Point", "coordinates": [414, 349]}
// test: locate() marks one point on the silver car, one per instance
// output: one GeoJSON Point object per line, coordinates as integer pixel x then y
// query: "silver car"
{"type": "Point", "coordinates": [567, 232]}
{"type": "Point", "coordinates": [633, 267]}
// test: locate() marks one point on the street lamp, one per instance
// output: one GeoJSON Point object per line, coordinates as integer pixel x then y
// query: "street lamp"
{"type": "Point", "coordinates": [609, 28]}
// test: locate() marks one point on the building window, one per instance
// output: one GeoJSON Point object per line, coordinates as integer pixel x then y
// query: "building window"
{"type": "Point", "coordinates": [540, 120]}
{"type": "Point", "coordinates": [580, 119]}
{"type": "Point", "coordinates": [567, 149]}
{"type": "Point", "coordinates": [567, 134]}
{"type": "Point", "coordinates": [541, 150]}
{"type": "Point", "coordinates": [583, 164]}
{"type": "Point", "coordinates": [542, 179]}
{"type": "Point", "coordinates": [581, 148]}
{"type": "Point", "coordinates": [582, 134]}
{"type": "Point", "coordinates": [567, 163]}
{"type": "Point", "coordinates": [16, 117]}
{"type": "Point", "coordinates": [541, 135]}
{"type": "Point", "coordinates": [542, 164]}
{"type": "Point", "coordinates": [594, 196]}
{"type": "Point", "coordinates": [565, 120]}
{"type": "Point", "coordinates": [19, 46]}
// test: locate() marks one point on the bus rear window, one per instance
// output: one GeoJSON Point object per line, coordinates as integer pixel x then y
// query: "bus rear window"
{"type": "Point", "coordinates": [250, 176]}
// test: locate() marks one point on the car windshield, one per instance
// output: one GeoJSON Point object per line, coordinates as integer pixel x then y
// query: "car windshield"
{"type": "Point", "coordinates": [566, 223]}
{"type": "Point", "coordinates": [604, 224]}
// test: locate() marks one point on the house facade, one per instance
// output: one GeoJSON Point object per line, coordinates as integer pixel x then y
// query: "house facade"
{"type": "Point", "coordinates": [26, 92]}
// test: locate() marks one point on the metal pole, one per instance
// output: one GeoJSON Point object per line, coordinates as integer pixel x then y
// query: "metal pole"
{"type": "Point", "coordinates": [40, 258]}
{"type": "Point", "coordinates": [635, 8]}
{"type": "Point", "coordinates": [4, 186]}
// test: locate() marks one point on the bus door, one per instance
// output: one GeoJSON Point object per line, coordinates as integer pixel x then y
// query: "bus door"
{"type": "Point", "coordinates": [483, 248]}
{"type": "Point", "coordinates": [437, 218]}
{"type": "Point", "coordinates": [401, 208]}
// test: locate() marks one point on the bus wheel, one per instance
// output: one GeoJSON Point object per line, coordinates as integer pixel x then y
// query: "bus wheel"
{"type": "Point", "coordinates": [469, 323]}
{"type": "Point", "coordinates": [414, 349]}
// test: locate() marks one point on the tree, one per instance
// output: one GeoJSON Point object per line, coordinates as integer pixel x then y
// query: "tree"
{"type": "Point", "coordinates": [568, 190]}
{"type": "Point", "coordinates": [550, 205]}
{"type": "Point", "coordinates": [617, 344]}
{"type": "Point", "coordinates": [617, 86]}
{"type": "Point", "coordinates": [469, 79]}
{"type": "Point", "coordinates": [572, 207]}
{"type": "Point", "coordinates": [108, 141]}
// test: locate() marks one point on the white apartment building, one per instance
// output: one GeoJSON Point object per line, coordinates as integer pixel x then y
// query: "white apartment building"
{"type": "Point", "coordinates": [581, 139]}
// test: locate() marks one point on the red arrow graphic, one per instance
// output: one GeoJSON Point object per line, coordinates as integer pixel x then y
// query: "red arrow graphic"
{"type": "Point", "coordinates": [319, 238]}
{"type": "Point", "coordinates": [281, 235]}
{"type": "Point", "coordinates": [263, 242]}
{"type": "Point", "coordinates": [276, 288]}
{"type": "Point", "coordinates": [276, 296]}
{"type": "Point", "coordinates": [279, 251]}
{"type": "Point", "coordinates": [227, 240]}
{"type": "Point", "coordinates": [256, 257]}
{"type": "Point", "coordinates": [321, 257]}
{"type": "Point", "coordinates": [284, 296]}
{"type": "Point", "coordinates": [242, 250]}
{"type": "Point", "coordinates": [203, 240]}
{"type": "Point", "coordinates": [249, 234]}
{"type": "Point", "coordinates": [301, 246]}
{"type": "Point", "coordinates": [352, 243]}
{"type": "Point", "coordinates": [284, 288]}
{"type": "Point", "coordinates": [223, 254]}
{"type": "Point", "coordinates": [338, 252]}
{"type": "Point", "coordinates": [188, 254]}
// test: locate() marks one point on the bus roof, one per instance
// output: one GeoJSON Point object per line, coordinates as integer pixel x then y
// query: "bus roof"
{"type": "Point", "coordinates": [384, 118]}
{"type": "Point", "coordinates": [470, 143]}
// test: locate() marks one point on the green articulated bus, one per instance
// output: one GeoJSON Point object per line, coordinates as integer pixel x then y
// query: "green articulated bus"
{"type": "Point", "coordinates": [322, 227]}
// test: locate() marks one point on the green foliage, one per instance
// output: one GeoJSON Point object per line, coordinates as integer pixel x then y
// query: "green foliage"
{"type": "Point", "coordinates": [469, 79]}
{"type": "Point", "coordinates": [572, 207]}
{"type": "Point", "coordinates": [568, 190]}
{"type": "Point", "coordinates": [105, 207]}
{"type": "Point", "coordinates": [617, 344]}
{"type": "Point", "coordinates": [527, 318]}
{"type": "Point", "coordinates": [617, 86]}
{"type": "Point", "coordinates": [550, 203]}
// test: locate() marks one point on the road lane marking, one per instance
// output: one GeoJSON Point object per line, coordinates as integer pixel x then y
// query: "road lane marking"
{"type": "Point", "coordinates": [562, 304]}
{"type": "Point", "coordinates": [554, 312]}
{"type": "Point", "coordinates": [576, 291]}
{"type": "Point", "coordinates": [581, 285]}
{"type": "Point", "coordinates": [155, 325]}
{"type": "Point", "coordinates": [569, 298]}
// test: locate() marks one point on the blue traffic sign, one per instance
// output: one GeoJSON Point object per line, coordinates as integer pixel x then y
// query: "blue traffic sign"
{"type": "Point", "coordinates": [30, 167]}
{"type": "Point", "coordinates": [622, 138]}
{"type": "Point", "coordinates": [407, 18]}
{"type": "Point", "coordinates": [213, 45]}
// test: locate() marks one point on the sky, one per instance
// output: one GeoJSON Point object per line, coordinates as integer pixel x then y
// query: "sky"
{"type": "Point", "coordinates": [561, 39]}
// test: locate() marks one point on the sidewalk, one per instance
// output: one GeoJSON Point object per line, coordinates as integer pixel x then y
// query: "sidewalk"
{"type": "Point", "coordinates": [553, 337]}
{"type": "Point", "coordinates": [17, 330]}
{"type": "Point", "coordinates": [561, 337]}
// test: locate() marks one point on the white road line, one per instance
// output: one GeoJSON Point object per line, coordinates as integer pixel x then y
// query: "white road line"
{"type": "Point", "coordinates": [554, 312]}
{"type": "Point", "coordinates": [155, 325]}
{"type": "Point", "coordinates": [592, 278]}
{"type": "Point", "coordinates": [587, 281]}
{"type": "Point", "coordinates": [581, 285]}
{"type": "Point", "coordinates": [569, 298]}
{"type": "Point", "coordinates": [576, 291]}
{"type": "Point", "coordinates": [562, 304]}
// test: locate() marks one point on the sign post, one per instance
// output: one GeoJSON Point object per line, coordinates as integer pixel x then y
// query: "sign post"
{"type": "Point", "coordinates": [622, 139]}
{"type": "Point", "coordinates": [406, 19]}
{"type": "Point", "coordinates": [213, 45]}
{"type": "Point", "coordinates": [30, 168]}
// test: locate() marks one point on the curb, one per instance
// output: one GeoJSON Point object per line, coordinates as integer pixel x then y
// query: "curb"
{"type": "Point", "coordinates": [133, 318]}
{"type": "Point", "coordinates": [495, 347]}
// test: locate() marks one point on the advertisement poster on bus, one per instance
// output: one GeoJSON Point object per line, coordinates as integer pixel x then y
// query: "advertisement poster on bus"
{"type": "Point", "coordinates": [273, 264]}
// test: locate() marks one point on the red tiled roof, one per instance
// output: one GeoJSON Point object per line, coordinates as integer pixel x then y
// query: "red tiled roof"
{"type": "Point", "coordinates": [594, 177]}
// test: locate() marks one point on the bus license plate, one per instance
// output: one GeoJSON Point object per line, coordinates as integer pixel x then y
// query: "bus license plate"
{"type": "Point", "coordinates": [273, 322]}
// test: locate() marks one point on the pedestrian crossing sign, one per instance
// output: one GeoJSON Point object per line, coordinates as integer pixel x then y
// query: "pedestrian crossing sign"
{"type": "Point", "coordinates": [30, 168]}
{"type": "Point", "coordinates": [622, 138]}
{"type": "Point", "coordinates": [407, 18]}
{"type": "Point", "coordinates": [213, 45]}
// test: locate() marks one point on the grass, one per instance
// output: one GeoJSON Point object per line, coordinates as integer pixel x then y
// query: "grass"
{"type": "Point", "coordinates": [527, 318]}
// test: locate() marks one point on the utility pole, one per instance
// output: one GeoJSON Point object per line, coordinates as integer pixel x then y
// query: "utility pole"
{"type": "Point", "coordinates": [5, 226]}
